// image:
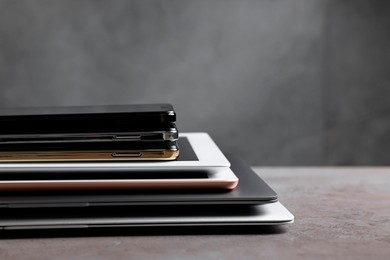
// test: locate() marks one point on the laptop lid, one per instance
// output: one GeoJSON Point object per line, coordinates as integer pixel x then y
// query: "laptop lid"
{"type": "Point", "coordinates": [146, 216]}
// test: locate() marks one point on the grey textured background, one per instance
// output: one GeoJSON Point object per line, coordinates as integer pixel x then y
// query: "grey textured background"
{"type": "Point", "coordinates": [281, 82]}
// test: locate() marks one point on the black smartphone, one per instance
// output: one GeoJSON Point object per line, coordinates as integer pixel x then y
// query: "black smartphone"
{"type": "Point", "coordinates": [165, 132]}
{"type": "Point", "coordinates": [153, 122]}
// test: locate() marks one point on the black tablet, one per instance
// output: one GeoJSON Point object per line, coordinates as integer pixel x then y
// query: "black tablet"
{"type": "Point", "coordinates": [251, 189]}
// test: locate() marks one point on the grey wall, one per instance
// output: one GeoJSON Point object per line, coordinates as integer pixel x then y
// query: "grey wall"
{"type": "Point", "coordinates": [281, 82]}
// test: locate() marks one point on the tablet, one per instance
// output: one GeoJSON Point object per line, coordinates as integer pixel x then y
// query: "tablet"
{"type": "Point", "coordinates": [250, 190]}
{"type": "Point", "coordinates": [201, 154]}
{"type": "Point", "coordinates": [157, 216]}
{"type": "Point", "coordinates": [217, 178]}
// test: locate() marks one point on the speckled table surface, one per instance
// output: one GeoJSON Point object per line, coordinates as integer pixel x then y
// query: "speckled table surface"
{"type": "Point", "coordinates": [340, 213]}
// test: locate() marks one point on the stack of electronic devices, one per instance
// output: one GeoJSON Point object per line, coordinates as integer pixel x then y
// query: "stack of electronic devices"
{"type": "Point", "coordinates": [122, 166]}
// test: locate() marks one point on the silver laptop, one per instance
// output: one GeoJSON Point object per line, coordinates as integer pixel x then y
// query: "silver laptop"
{"type": "Point", "coordinates": [164, 216]}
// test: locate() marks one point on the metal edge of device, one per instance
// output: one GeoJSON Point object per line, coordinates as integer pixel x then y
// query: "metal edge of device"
{"type": "Point", "coordinates": [170, 135]}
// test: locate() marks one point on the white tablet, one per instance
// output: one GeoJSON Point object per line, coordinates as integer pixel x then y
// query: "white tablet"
{"type": "Point", "coordinates": [197, 151]}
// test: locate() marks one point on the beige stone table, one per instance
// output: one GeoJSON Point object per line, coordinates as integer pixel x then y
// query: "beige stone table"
{"type": "Point", "coordinates": [341, 213]}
